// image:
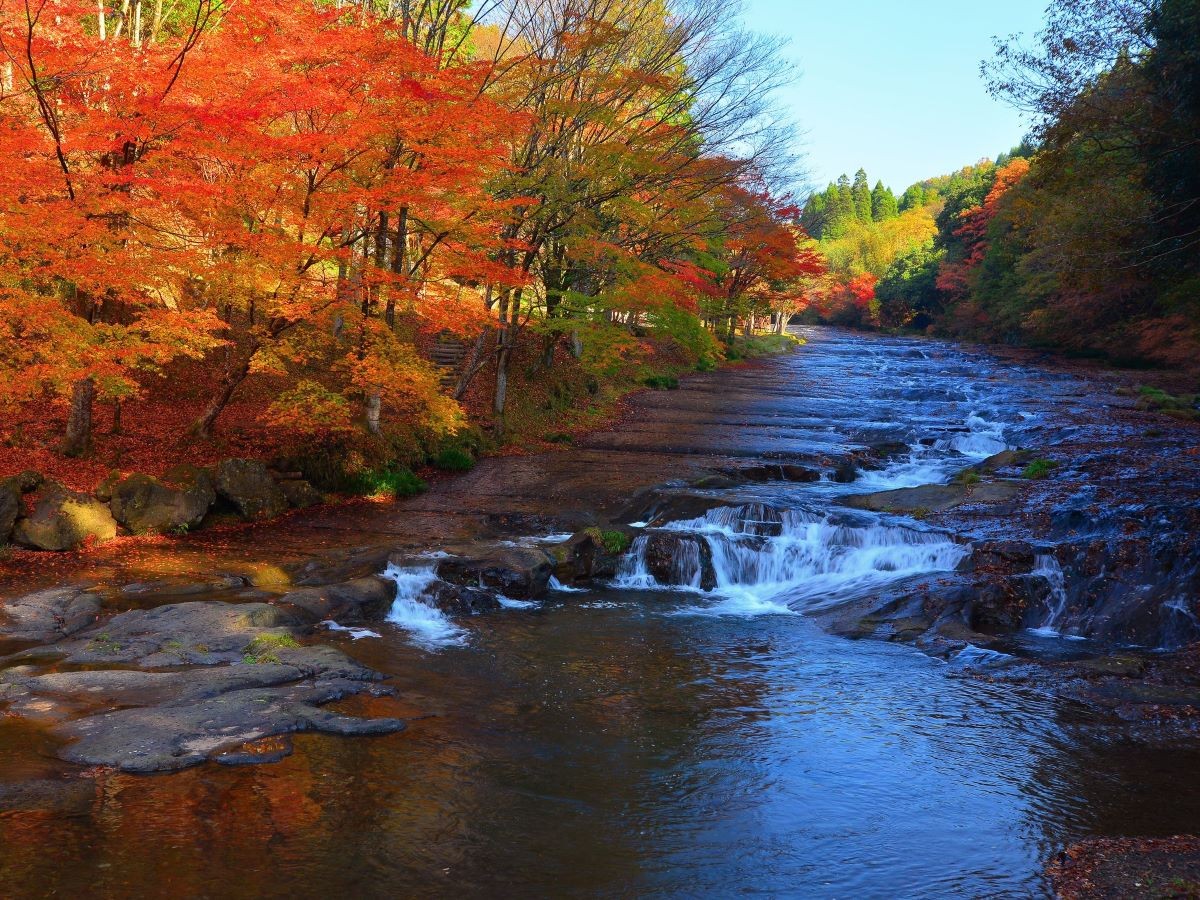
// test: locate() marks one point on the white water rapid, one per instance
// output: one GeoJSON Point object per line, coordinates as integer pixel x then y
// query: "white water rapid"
{"type": "Point", "coordinates": [763, 559]}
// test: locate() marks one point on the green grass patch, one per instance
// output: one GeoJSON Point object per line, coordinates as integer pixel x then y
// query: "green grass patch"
{"type": "Point", "coordinates": [662, 382]}
{"type": "Point", "coordinates": [454, 459]}
{"type": "Point", "coordinates": [1039, 468]}
{"type": "Point", "coordinates": [968, 478]}
{"type": "Point", "coordinates": [558, 437]}
{"type": "Point", "coordinates": [265, 648]}
{"type": "Point", "coordinates": [706, 364]}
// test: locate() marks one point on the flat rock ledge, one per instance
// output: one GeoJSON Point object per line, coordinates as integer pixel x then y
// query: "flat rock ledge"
{"type": "Point", "coordinates": [163, 689]}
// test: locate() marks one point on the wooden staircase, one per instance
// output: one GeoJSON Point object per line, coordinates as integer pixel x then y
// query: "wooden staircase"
{"type": "Point", "coordinates": [448, 355]}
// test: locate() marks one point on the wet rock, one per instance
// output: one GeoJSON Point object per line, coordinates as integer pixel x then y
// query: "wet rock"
{"type": "Point", "coordinates": [934, 497]}
{"type": "Point", "coordinates": [678, 559]}
{"type": "Point", "coordinates": [762, 474]}
{"type": "Point", "coordinates": [300, 494]}
{"type": "Point", "coordinates": [581, 558]}
{"type": "Point", "coordinates": [248, 485]}
{"type": "Point", "coordinates": [146, 505]}
{"type": "Point", "coordinates": [64, 520]}
{"type": "Point", "coordinates": [184, 587]}
{"type": "Point", "coordinates": [195, 632]}
{"type": "Point", "coordinates": [458, 600]}
{"type": "Point", "coordinates": [519, 573]}
{"type": "Point", "coordinates": [715, 482]}
{"type": "Point", "coordinates": [1004, 557]}
{"type": "Point", "coordinates": [347, 603]}
{"type": "Point", "coordinates": [50, 615]}
{"type": "Point", "coordinates": [187, 732]}
{"type": "Point", "coordinates": [845, 471]}
{"type": "Point", "coordinates": [1005, 459]}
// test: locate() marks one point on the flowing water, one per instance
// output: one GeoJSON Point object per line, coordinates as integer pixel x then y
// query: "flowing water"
{"type": "Point", "coordinates": [695, 736]}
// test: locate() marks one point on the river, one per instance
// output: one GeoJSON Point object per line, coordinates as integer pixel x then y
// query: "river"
{"type": "Point", "coordinates": [642, 739]}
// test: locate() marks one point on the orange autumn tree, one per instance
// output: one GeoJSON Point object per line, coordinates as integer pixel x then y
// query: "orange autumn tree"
{"type": "Point", "coordinates": [89, 289]}
{"type": "Point", "coordinates": [341, 129]}
{"type": "Point", "coordinates": [760, 259]}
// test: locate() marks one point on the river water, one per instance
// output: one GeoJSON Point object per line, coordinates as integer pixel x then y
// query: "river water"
{"type": "Point", "coordinates": [646, 739]}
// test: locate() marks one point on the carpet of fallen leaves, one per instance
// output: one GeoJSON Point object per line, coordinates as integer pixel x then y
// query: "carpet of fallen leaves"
{"type": "Point", "coordinates": [153, 435]}
{"type": "Point", "coordinates": [1128, 868]}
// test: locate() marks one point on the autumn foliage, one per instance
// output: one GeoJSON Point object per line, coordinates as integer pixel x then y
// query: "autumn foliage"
{"type": "Point", "coordinates": [286, 203]}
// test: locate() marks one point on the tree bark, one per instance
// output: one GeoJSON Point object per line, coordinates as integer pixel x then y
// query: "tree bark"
{"type": "Point", "coordinates": [78, 438]}
{"type": "Point", "coordinates": [234, 376]}
{"type": "Point", "coordinates": [374, 408]}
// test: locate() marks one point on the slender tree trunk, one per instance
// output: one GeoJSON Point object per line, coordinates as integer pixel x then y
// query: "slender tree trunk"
{"type": "Point", "coordinates": [78, 438]}
{"type": "Point", "coordinates": [156, 22]}
{"type": "Point", "coordinates": [234, 376]}
{"type": "Point", "coordinates": [100, 20]}
{"type": "Point", "coordinates": [116, 419]}
{"type": "Point", "coordinates": [135, 37]}
{"type": "Point", "coordinates": [510, 305]}
{"type": "Point", "coordinates": [399, 262]}
{"type": "Point", "coordinates": [374, 408]}
{"type": "Point", "coordinates": [781, 323]}
{"type": "Point", "coordinates": [473, 365]}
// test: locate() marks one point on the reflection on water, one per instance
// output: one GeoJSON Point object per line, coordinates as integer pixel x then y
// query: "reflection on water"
{"type": "Point", "coordinates": [615, 743]}
{"type": "Point", "coordinates": [623, 750]}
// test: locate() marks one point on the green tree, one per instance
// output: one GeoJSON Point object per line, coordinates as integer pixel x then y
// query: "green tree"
{"type": "Point", "coordinates": [883, 203]}
{"type": "Point", "coordinates": [912, 198]}
{"type": "Point", "coordinates": [860, 193]}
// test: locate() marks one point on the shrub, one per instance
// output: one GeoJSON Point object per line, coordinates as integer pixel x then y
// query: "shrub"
{"type": "Point", "coordinates": [399, 482]}
{"type": "Point", "coordinates": [613, 542]}
{"type": "Point", "coordinates": [662, 382]}
{"type": "Point", "coordinates": [454, 459]}
{"type": "Point", "coordinates": [706, 364]}
{"type": "Point", "coordinates": [559, 437]}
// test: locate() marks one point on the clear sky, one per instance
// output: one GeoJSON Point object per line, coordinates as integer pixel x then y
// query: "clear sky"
{"type": "Point", "coordinates": [893, 85]}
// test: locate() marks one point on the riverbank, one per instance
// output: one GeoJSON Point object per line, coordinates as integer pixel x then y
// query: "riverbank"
{"type": "Point", "coordinates": [736, 484]}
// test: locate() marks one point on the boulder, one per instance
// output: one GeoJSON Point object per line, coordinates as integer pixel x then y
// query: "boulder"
{"type": "Point", "coordinates": [348, 603]}
{"type": "Point", "coordinates": [678, 558]}
{"type": "Point", "coordinates": [146, 505]}
{"type": "Point", "coordinates": [10, 509]}
{"type": "Point", "coordinates": [49, 615]}
{"type": "Point", "coordinates": [300, 494]}
{"type": "Point", "coordinates": [519, 573]}
{"type": "Point", "coordinates": [248, 485]}
{"type": "Point", "coordinates": [11, 489]}
{"type": "Point", "coordinates": [457, 600]}
{"type": "Point", "coordinates": [63, 520]}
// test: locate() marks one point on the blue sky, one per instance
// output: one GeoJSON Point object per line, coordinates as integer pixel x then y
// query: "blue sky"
{"type": "Point", "coordinates": [893, 85]}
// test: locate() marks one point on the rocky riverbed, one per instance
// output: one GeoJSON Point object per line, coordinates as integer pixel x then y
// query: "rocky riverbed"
{"type": "Point", "coordinates": [1025, 529]}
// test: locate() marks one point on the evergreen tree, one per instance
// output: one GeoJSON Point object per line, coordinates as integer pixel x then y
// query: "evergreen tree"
{"type": "Point", "coordinates": [883, 203]}
{"type": "Point", "coordinates": [840, 210]}
{"type": "Point", "coordinates": [861, 194]}
{"type": "Point", "coordinates": [912, 198]}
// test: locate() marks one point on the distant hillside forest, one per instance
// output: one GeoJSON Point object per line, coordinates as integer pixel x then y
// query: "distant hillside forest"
{"type": "Point", "coordinates": [1086, 237]}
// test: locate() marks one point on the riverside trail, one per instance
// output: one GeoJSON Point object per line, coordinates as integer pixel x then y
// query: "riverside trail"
{"type": "Point", "coordinates": [693, 722]}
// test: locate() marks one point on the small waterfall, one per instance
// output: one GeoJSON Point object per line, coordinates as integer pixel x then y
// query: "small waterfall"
{"type": "Point", "coordinates": [428, 627]}
{"type": "Point", "coordinates": [1046, 565]}
{"type": "Point", "coordinates": [759, 554]}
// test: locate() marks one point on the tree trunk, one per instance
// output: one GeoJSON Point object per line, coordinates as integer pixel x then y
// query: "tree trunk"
{"type": "Point", "coordinates": [399, 263]}
{"type": "Point", "coordinates": [781, 323]}
{"type": "Point", "coordinates": [374, 407]}
{"type": "Point", "coordinates": [472, 366]}
{"type": "Point", "coordinates": [116, 419]}
{"type": "Point", "coordinates": [100, 20]}
{"type": "Point", "coordinates": [78, 438]}
{"type": "Point", "coordinates": [234, 376]}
